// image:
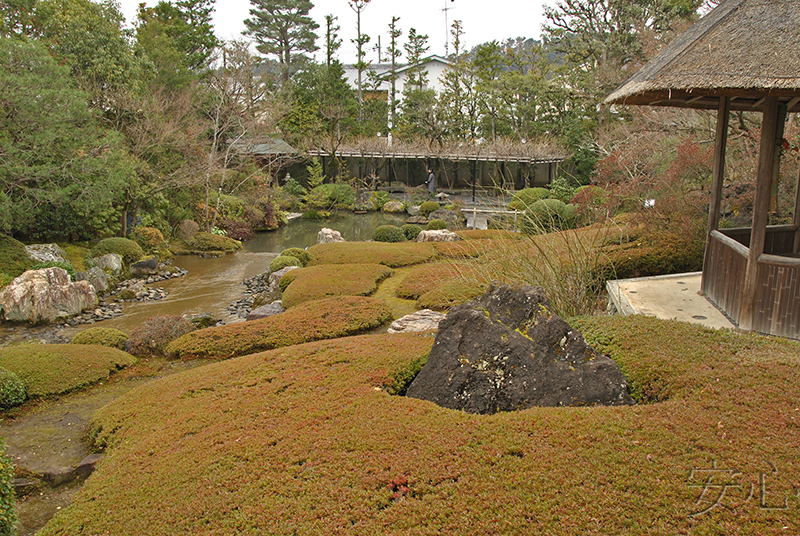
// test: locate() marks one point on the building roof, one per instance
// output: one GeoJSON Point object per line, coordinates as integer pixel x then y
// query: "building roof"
{"type": "Point", "coordinates": [743, 49]}
{"type": "Point", "coordinates": [264, 147]}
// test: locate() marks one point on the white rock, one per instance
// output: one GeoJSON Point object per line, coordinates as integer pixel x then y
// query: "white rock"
{"type": "Point", "coordinates": [442, 235]}
{"type": "Point", "coordinates": [424, 320]}
{"type": "Point", "coordinates": [46, 295]}
{"type": "Point", "coordinates": [326, 236]}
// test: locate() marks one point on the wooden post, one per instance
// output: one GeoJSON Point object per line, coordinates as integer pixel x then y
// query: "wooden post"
{"type": "Point", "coordinates": [474, 177]}
{"type": "Point", "coordinates": [760, 209]}
{"type": "Point", "coordinates": [796, 248]}
{"type": "Point", "coordinates": [776, 165]}
{"type": "Point", "coordinates": [720, 146]}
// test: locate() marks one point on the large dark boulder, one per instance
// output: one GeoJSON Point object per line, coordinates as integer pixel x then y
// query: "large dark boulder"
{"type": "Point", "coordinates": [507, 351]}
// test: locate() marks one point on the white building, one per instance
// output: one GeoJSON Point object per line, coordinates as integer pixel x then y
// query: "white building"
{"type": "Point", "coordinates": [434, 65]}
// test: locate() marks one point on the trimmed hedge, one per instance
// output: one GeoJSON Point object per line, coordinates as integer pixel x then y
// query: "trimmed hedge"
{"type": "Point", "coordinates": [427, 207]}
{"type": "Point", "coordinates": [8, 515]}
{"type": "Point", "coordinates": [527, 197]}
{"type": "Point", "coordinates": [111, 337]}
{"type": "Point", "coordinates": [214, 242]}
{"type": "Point", "coordinates": [282, 261]}
{"type": "Point", "coordinates": [314, 320]}
{"type": "Point", "coordinates": [436, 225]}
{"type": "Point", "coordinates": [392, 255]}
{"type": "Point", "coordinates": [411, 230]}
{"type": "Point", "coordinates": [388, 233]}
{"type": "Point", "coordinates": [299, 254]}
{"type": "Point", "coordinates": [153, 335]}
{"type": "Point", "coordinates": [128, 249]}
{"type": "Point", "coordinates": [51, 369]}
{"type": "Point", "coordinates": [303, 440]}
{"type": "Point", "coordinates": [12, 392]}
{"type": "Point", "coordinates": [317, 282]}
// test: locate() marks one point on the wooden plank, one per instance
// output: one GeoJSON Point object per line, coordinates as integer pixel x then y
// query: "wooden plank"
{"type": "Point", "coordinates": [760, 209]}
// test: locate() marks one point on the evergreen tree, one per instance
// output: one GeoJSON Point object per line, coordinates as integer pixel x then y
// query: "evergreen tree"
{"type": "Point", "coordinates": [283, 28]}
{"type": "Point", "coordinates": [360, 41]}
{"type": "Point", "coordinates": [394, 55]}
{"type": "Point", "coordinates": [416, 47]}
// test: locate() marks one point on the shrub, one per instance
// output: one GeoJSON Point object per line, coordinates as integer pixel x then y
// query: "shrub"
{"type": "Point", "coordinates": [314, 320]}
{"type": "Point", "coordinates": [388, 233]}
{"type": "Point", "coordinates": [187, 229]}
{"type": "Point", "coordinates": [281, 262]}
{"type": "Point", "coordinates": [436, 225]}
{"type": "Point", "coordinates": [128, 249]}
{"type": "Point", "coordinates": [237, 229]}
{"type": "Point", "coordinates": [12, 390]}
{"type": "Point", "coordinates": [57, 264]}
{"type": "Point", "coordinates": [149, 238]}
{"type": "Point", "coordinates": [317, 282]}
{"type": "Point", "coordinates": [315, 215]}
{"type": "Point", "coordinates": [214, 242]}
{"type": "Point", "coordinates": [111, 337]}
{"type": "Point", "coordinates": [561, 190]}
{"type": "Point", "coordinates": [527, 197]}
{"type": "Point", "coordinates": [548, 215]}
{"type": "Point", "coordinates": [427, 207]}
{"type": "Point", "coordinates": [154, 334]}
{"type": "Point", "coordinates": [51, 369]}
{"type": "Point", "coordinates": [8, 516]}
{"type": "Point", "coordinates": [330, 196]}
{"type": "Point", "coordinates": [299, 254]}
{"type": "Point", "coordinates": [14, 259]}
{"type": "Point", "coordinates": [411, 230]}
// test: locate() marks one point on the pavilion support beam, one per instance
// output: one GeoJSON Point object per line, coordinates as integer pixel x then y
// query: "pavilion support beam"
{"type": "Point", "coordinates": [720, 147]}
{"type": "Point", "coordinates": [776, 167]}
{"type": "Point", "coordinates": [760, 211]}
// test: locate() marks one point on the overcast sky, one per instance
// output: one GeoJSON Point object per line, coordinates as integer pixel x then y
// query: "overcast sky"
{"type": "Point", "coordinates": [482, 21]}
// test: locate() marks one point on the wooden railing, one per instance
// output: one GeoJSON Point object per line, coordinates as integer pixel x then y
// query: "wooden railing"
{"type": "Point", "coordinates": [778, 241]}
{"type": "Point", "coordinates": [723, 273]}
{"type": "Point", "coordinates": [777, 297]}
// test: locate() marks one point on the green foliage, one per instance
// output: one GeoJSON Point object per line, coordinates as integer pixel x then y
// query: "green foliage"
{"type": "Point", "coordinates": [110, 337]}
{"type": "Point", "coordinates": [153, 335]}
{"type": "Point", "coordinates": [298, 253]}
{"type": "Point", "coordinates": [14, 259]}
{"type": "Point", "coordinates": [278, 263]}
{"type": "Point", "coordinates": [128, 249]}
{"type": "Point", "coordinates": [149, 238]}
{"type": "Point", "coordinates": [72, 185]}
{"type": "Point", "coordinates": [525, 198]}
{"type": "Point", "coordinates": [392, 255]}
{"type": "Point", "coordinates": [5, 280]}
{"type": "Point", "coordinates": [57, 264]}
{"type": "Point", "coordinates": [292, 187]}
{"type": "Point", "coordinates": [214, 242]}
{"type": "Point", "coordinates": [51, 369]}
{"type": "Point", "coordinates": [314, 320]}
{"type": "Point", "coordinates": [12, 393]}
{"type": "Point", "coordinates": [548, 215]}
{"type": "Point", "coordinates": [401, 378]}
{"type": "Point", "coordinates": [8, 515]}
{"type": "Point", "coordinates": [316, 175]}
{"type": "Point", "coordinates": [331, 196]}
{"type": "Point", "coordinates": [315, 215]}
{"type": "Point", "coordinates": [436, 225]}
{"type": "Point", "coordinates": [561, 190]}
{"type": "Point", "coordinates": [411, 230]}
{"type": "Point", "coordinates": [427, 207]}
{"type": "Point", "coordinates": [318, 282]}
{"type": "Point", "coordinates": [388, 233]}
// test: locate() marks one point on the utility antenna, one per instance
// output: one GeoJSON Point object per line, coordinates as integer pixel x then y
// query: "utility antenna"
{"type": "Point", "coordinates": [445, 9]}
{"type": "Point", "coordinates": [378, 48]}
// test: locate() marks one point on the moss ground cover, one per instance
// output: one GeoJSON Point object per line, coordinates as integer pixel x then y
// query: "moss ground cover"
{"type": "Point", "coordinates": [317, 282]}
{"type": "Point", "coordinates": [299, 441]}
{"type": "Point", "coordinates": [392, 255]}
{"type": "Point", "coordinates": [313, 320]}
{"type": "Point", "coordinates": [49, 369]}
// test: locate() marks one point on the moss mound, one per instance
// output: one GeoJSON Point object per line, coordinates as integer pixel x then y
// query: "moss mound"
{"type": "Point", "coordinates": [436, 225]}
{"type": "Point", "coordinates": [322, 319]}
{"type": "Point", "coordinates": [50, 369]}
{"type": "Point", "coordinates": [113, 338]}
{"type": "Point", "coordinates": [14, 259]}
{"type": "Point", "coordinates": [527, 197]}
{"type": "Point", "coordinates": [12, 390]}
{"type": "Point", "coordinates": [299, 441]}
{"type": "Point", "coordinates": [411, 231]}
{"type": "Point", "coordinates": [427, 207]}
{"type": "Point", "coordinates": [392, 255]}
{"type": "Point", "coordinates": [317, 282]}
{"type": "Point", "coordinates": [128, 249]}
{"type": "Point", "coordinates": [214, 242]}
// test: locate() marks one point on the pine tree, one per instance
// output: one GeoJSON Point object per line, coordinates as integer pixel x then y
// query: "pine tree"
{"type": "Point", "coordinates": [283, 28]}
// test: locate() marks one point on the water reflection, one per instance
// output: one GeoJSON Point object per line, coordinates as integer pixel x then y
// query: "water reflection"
{"type": "Point", "coordinates": [303, 233]}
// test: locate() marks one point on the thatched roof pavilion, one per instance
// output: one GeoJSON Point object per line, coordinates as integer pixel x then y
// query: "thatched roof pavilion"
{"type": "Point", "coordinates": [743, 55]}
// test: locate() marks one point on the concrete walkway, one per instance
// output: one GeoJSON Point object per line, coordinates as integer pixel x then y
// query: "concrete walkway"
{"type": "Point", "coordinates": [668, 296]}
